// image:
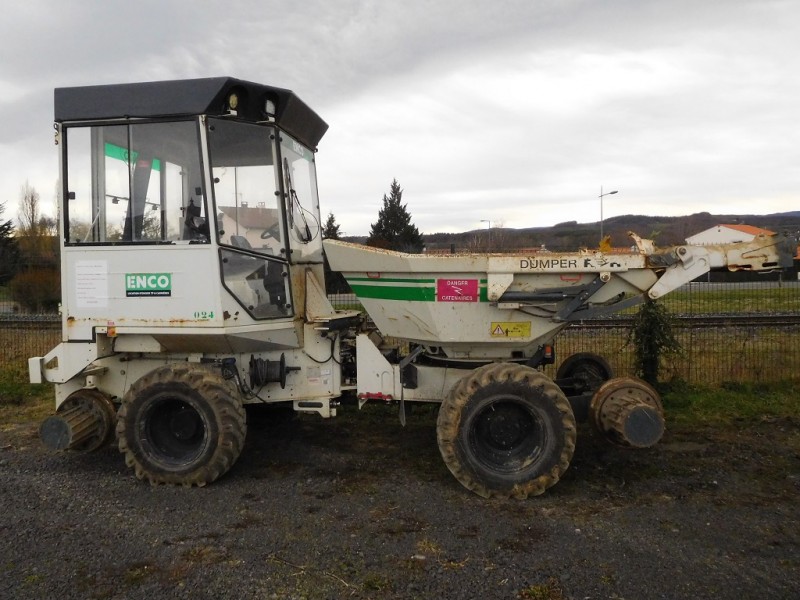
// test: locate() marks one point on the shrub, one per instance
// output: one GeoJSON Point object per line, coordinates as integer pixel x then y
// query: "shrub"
{"type": "Point", "coordinates": [37, 290]}
{"type": "Point", "coordinates": [653, 337]}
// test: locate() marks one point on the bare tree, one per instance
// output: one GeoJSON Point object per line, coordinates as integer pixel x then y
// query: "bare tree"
{"type": "Point", "coordinates": [37, 233]}
{"type": "Point", "coordinates": [29, 211]}
{"type": "Point", "coordinates": [477, 242]}
{"type": "Point", "coordinates": [500, 239]}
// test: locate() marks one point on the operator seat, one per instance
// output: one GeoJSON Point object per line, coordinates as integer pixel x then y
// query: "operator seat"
{"type": "Point", "coordinates": [194, 225]}
{"type": "Point", "coordinates": [239, 241]}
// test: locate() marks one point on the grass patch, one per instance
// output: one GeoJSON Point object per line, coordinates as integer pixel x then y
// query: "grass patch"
{"type": "Point", "coordinates": [21, 402]}
{"type": "Point", "coordinates": [734, 301]}
{"type": "Point", "coordinates": [731, 403]}
{"type": "Point", "coordinates": [550, 590]}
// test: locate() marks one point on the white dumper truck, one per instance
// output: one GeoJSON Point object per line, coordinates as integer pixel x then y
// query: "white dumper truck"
{"type": "Point", "coordinates": [193, 285]}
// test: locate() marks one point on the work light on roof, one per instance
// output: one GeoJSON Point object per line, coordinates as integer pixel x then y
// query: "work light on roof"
{"type": "Point", "coordinates": [233, 101]}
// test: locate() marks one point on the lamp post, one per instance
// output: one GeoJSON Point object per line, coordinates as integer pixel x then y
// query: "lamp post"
{"type": "Point", "coordinates": [601, 208]}
{"type": "Point", "coordinates": [489, 245]}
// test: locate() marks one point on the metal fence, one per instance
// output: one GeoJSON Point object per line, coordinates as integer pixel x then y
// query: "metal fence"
{"type": "Point", "coordinates": [745, 331]}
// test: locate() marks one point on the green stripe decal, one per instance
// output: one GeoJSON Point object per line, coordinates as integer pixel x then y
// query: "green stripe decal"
{"type": "Point", "coordinates": [120, 153]}
{"type": "Point", "coordinates": [414, 290]}
{"type": "Point", "coordinates": [390, 280]}
{"type": "Point", "coordinates": [414, 294]}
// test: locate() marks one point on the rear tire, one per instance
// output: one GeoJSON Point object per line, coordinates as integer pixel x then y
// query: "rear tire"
{"type": "Point", "coordinates": [506, 430]}
{"type": "Point", "coordinates": [181, 424]}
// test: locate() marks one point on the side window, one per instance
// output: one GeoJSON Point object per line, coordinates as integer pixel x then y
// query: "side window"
{"type": "Point", "coordinates": [257, 283]}
{"type": "Point", "coordinates": [135, 183]}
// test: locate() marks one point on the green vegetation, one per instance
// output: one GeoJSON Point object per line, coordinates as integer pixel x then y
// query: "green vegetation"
{"type": "Point", "coordinates": [38, 290]}
{"type": "Point", "coordinates": [653, 337]}
{"type": "Point", "coordinates": [393, 229]}
{"type": "Point", "coordinates": [712, 356]}
{"type": "Point", "coordinates": [731, 403]}
{"type": "Point", "coordinates": [551, 590]}
{"type": "Point", "coordinates": [21, 402]}
{"type": "Point", "coordinates": [757, 299]}
{"type": "Point", "coordinates": [347, 304]}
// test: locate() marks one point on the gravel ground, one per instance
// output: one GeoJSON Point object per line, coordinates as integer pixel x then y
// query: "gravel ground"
{"type": "Point", "coordinates": [358, 507]}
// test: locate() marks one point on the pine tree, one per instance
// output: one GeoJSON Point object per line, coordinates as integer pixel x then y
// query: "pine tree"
{"type": "Point", "coordinates": [9, 249]}
{"type": "Point", "coordinates": [394, 229]}
{"type": "Point", "coordinates": [331, 231]}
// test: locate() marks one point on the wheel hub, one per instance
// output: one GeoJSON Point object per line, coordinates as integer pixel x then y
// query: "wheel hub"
{"type": "Point", "coordinates": [504, 429]}
{"type": "Point", "coordinates": [506, 435]}
{"type": "Point", "coordinates": [185, 424]}
{"type": "Point", "coordinates": [176, 430]}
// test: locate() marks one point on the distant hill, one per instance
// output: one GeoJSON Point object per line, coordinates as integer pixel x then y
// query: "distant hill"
{"type": "Point", "coordinates": [570, 235]}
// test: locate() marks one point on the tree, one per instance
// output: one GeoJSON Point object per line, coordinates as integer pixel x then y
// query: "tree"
{"type": "Point", "coordinates": [394, 229]}
{"type": "Point", "coordinates": [9, 249]}
{"type": "Point", "coordinates": [28, 210]}
{"type": "Point", "coordinates": [36, 284]}
{"type": "Point", "coordinates": [653, 338]}
{"type": "Point", "coordinates": [37, 233]}
{"type": "Point", "coordinates": [331, 231]}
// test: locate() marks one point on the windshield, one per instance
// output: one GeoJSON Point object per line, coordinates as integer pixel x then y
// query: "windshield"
{"type": "Point", "coordinates": [134, 183]}
{"type": "Point", "coordinates": [300, 190]}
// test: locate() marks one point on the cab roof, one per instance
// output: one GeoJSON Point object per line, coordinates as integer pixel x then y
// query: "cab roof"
{"type": "Point", "coordinates": [186, 97]}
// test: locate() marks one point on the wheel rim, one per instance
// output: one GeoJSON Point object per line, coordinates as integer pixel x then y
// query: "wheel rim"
{"type": "Point", "coordinates": [506, 434]}
{"type": "Point", "coordinates": [175, 430]}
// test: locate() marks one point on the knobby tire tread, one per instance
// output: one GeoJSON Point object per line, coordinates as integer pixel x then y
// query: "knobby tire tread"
{"type": "Point", "coordinates": [449, 421]}
{"type": "Point", "coordinates": [225, 404]}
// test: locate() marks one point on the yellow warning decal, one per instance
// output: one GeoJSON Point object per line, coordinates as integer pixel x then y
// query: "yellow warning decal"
{"type": "Point", "coordinates": [510, 329]}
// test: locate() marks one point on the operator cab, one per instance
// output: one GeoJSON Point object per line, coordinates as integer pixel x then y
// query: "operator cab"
{"type": "Point", "coordinates": [200, 177]}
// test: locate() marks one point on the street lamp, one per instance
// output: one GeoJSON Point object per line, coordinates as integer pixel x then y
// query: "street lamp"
{"type": "Point", "coordinates": [601, 209]}
{"type": "Point", "coordinates": [489, 245]}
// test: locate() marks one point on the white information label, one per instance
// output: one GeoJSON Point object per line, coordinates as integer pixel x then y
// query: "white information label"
{"type": "Point", "coordinates": [91, 284]}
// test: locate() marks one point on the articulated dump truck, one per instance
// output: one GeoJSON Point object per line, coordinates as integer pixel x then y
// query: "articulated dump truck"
{"type": "Point", "coordinates": [193, 285]}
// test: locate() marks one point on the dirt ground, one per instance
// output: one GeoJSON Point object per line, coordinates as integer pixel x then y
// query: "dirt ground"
{"type": "Point", "coordinates": [359, 507]}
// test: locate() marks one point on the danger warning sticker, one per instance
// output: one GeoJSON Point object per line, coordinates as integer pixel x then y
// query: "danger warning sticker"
{"type": "Point", "coordinates": [457, 290]}
{"type": "Point", "coordinates": [510, 329]}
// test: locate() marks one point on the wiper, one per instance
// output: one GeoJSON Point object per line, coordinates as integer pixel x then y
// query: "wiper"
{"type": "Point", "coordinates": [295, 201]}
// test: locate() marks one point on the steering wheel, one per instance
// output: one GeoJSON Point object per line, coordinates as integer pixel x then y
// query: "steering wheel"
{"type": "Point", "coordinates": [271, 232]}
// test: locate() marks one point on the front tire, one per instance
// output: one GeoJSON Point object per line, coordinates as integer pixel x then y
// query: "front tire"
{"type": "Point", "coordinates": [181, 424]}
{"type": "Point", "coordinates": [506, 430]}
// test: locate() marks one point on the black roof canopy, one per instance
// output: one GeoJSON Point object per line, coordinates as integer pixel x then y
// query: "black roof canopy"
{"type": "Point", "coordinates": [184, 97]}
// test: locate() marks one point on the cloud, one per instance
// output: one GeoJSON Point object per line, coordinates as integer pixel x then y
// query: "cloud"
{"type": "Point", "coordinates": [514, 111]}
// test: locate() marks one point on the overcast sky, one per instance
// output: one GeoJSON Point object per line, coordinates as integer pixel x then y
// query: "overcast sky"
{"type": "Point", "coordinates": [514, 112]}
